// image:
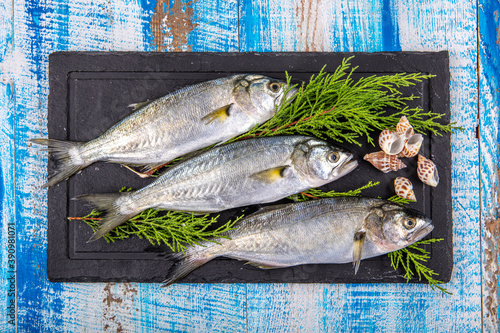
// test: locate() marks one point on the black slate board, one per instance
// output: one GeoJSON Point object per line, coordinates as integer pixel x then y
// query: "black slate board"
{"type": "Point", "coordinates": [89, 92]}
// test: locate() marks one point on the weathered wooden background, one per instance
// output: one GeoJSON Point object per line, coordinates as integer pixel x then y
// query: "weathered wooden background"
{"type": "Point", "coordinates": [32, 29]}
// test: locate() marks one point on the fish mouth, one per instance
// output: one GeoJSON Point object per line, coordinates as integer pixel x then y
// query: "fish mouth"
{"type": "Point", "coordinates": [421, 233]}
{"type": "Point", "coordinates": [349, 165]}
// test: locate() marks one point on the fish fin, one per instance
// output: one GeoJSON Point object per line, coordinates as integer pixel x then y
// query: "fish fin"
{"type": "Point", "coordinates": [140, 174]}
{"type": "Point", "coordinates": [64, 152]}
{"type": "Point", "coordinates": [388, 207]}
{"type": "Point", "coordinates": [220, 114]}
{"type": "Point", "coordinates": [149, 169]}
{"type": "Point", "coordinates": [106, 203]}
{"type": "Point", "coordinates": [137, 106]}
{"type": "Point", "coordinates": [103, 202]}
{"type": "Point", "coordinates": [182, 266]}
{"type": "Point", "coordinates": [272, 175]}
{"type": "Point", "coordinates": [262, 266]}
{"type": "Point", "coordinates": [359, 240]}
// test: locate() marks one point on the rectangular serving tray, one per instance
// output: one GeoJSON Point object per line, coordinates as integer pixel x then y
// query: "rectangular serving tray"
{"type": "Point", "coordinates": [90, 92]}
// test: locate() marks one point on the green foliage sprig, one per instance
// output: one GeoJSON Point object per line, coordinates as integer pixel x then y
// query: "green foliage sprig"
{"type": "Point", "coordinates": [174, 229]}
{"type": "Point", "coordinates": [337, 107]}
{"type": "Point", "coordinates": [400, 200]}
{"type": "Point", "coordinates": [315, 193]}
{"type": "Point", "coordinates": [416, 257]}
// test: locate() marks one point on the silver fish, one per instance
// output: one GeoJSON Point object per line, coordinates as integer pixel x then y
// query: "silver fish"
{"type": "Point", "coordinates": [238, 174]}
{"type": "Point", "coordinates": [176, 124]}
{"type": "Point", "coordinates": [325, 231]}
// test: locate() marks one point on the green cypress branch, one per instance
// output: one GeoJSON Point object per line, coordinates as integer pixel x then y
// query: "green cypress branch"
{"type": "Point", "coordinates": [315, 193]}
{"type": "Point", "coordinates": [400, 200]}
{"type": "Point", "coordinates": [174, 229]}
{"type": "Point", "coordinates": [337, 107]}
{"type": "Point", "coordinates": [416, 257]}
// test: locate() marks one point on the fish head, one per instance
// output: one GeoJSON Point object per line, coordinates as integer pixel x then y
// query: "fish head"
{"type": "Point", "coordinates": [319, 162]}
{"type": "Point", "coordinates": [261, 96]}
{"type": "Point", "coordinates": [393, 227]}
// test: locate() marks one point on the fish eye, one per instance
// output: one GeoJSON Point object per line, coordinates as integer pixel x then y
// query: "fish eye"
{"type": "Point", "coordinates": [274, 87]}
{"type": "Point", "coordinates": [333, 157]}
{"type": "Point", "coordinates": [409, 223]}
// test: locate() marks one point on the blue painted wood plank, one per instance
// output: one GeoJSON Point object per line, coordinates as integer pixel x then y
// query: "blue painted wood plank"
{"type": "Point", "coordinates": [191, 25]}
{"type": "Point", "coordinates": [194, 308]}
{"type": "Point", "coordinates": [8, 223]}
{"type": "Point", "coordinates": [216, 26]}
{"type": "Point", "coordinates": [335, 26]}
{"type": "Point", "coordinates": [376, 26]}
{"type": "Point", "coordinates": [33, 44]}
{"type": "Point", "coordinates": [489, 107]}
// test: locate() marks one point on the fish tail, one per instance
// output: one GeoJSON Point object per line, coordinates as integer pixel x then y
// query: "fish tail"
{"type": "Point", "coordinates": [68, 154]}
{"type": "Point", "coordinates": [184, 263]}
{"type": "Point", "coordinates": [107, 204]}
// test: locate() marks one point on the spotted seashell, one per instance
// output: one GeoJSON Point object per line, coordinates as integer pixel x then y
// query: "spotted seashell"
{"type": "Point", "coordinates": [404, 128]}
{"type": "Point", "coordinates": [404, 188]}
{"type": "Point", "coordinates": [412, 146]}
{"type": "Point", "coordinates": [427, 171]}
{"type": "Point", "coordinates": [390, 142]}
{"type": "Point", "coordinates": [384, 162]}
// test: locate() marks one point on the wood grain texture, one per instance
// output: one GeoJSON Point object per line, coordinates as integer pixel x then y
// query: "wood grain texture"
{"type": "Point", "coordinates": [489, 105]}
{"type": "Point", "coordinates": [350, 26]}
{"type": "Point", "coordinates": [195, 25]}
{"type": "Point", "coordinates": [319, 25]}
{"type": "Point", "coordinates": [38, 29]}
{"type": "Point", "coordinates": [8, 222]}
{"type": "Point", "coordinates": [262, 25]}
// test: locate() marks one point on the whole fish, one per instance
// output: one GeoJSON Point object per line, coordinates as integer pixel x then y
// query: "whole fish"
{"type": "Point", "coordinates": [241, 173]}
{"type": "Point", "coordinates": [176, 124]}
{"type": "Point", "coordinates": [325, 231]}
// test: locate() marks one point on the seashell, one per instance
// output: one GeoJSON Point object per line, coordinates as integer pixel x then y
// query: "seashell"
{"type": "Point", "coordinates": [412, 146]}
{"type": "Point", "coordinates": [404, 128]}
{"type": "Point", "coordinates": [390, 142]}
{"type": "Point", "coordinates": [404, 188]}
{"type": "Point", "coordinates": [427, 171]}
{"type": "Point", "coordinates": [384, 162]}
